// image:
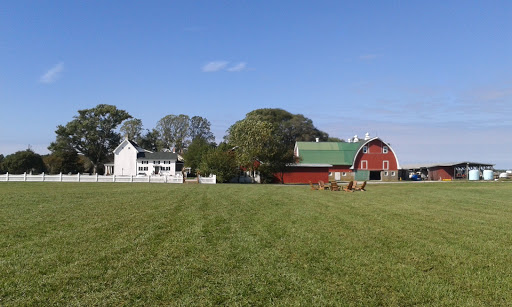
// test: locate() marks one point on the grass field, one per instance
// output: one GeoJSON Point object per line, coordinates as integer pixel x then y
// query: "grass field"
{"type": "Point", "coordinates": [146, 244]}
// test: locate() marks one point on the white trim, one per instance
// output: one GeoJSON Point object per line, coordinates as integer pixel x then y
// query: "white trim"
{"type": "Point", "coordinates": [368, 141]}
{"type": "Point", "coordinates": [384, 162]}
{"type": "Point", "coordinates": [366, 164]}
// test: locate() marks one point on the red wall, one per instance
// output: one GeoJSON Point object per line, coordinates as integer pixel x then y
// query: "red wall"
{"type": "Point", "coordinates": [441, 172]}
{"type": "Point", "coordinates": [304, 175]}
{"type": "Point", "coordinates": [341, 168]}
{"type": "Point", "coordinates": [375, 157]}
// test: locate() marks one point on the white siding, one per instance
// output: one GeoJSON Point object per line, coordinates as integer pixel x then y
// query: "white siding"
{"type": "Point", "coordinates": [125, 160]}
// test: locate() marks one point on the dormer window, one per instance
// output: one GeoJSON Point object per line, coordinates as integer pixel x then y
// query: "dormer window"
{"type": "Point", "coordinates": [385, 149]}
{"type": "Point", "coordinates": [365, 149]}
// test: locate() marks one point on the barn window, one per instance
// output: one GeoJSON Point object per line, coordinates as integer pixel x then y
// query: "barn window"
{"type": "Point", "coordinates": [386, 173]}
{"type": "Point", "coordinates": [344, 174]}
{"type": "Point", "coordinates": [385, 149]}
{"type": "Point", "coordinates": [385, 164]}
{"type": "Point", "coordinates": [365, 149]}
{"type": "Point", "coordinates": [392, 173]}
{"type": "Point", "coordinates": [364, 164]}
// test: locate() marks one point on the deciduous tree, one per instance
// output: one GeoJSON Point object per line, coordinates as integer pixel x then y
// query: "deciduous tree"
{"type": "Point", "coordinates": [195, 152]}
{"type": "Point", "coordinates": [92, 133]}
{"type": "Point", "coordinates": [220, 162]}
{"type": "Point", "coordinates": [23, 161]}
{"type": "Point", "coordinates": [200, 128]}
{"type": "Point", "coordinates": [253, 140]}
{"type": "Point", "coordinates": [174, 130]}
{"type": "Point", "coordinates": [151, 141]}
{"type": "Point", "coordinates": [132, 129]}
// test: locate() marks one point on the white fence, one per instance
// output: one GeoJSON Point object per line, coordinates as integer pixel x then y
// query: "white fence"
{"type": "Point", "coordinates": [100, 178]}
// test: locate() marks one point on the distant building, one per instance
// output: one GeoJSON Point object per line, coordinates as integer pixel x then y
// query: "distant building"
{"type": "Point", "coordinates": [368, 159]}
{"type": "Point", "coordinates": [131, 160]}
{"type": "Point", "coordinates": [444, 170]}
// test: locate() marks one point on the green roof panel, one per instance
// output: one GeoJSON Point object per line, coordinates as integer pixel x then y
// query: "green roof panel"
{"type": "Point", "coordinates": [335, 153]}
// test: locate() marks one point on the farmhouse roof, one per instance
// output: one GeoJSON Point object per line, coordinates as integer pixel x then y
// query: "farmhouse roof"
{"type": "Point", "coordinates": [335, 153]}
{"type": "Point", "coordinates": [158, 155]}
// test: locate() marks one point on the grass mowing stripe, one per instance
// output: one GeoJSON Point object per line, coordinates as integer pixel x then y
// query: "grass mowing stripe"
{"type": "Point", "coordinates": [397, 244]}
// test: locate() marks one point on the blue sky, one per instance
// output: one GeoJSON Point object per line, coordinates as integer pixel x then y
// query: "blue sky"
{"type": "Point", "coordinates": [433, 78]}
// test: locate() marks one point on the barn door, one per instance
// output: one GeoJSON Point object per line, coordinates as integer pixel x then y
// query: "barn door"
{"type": "Point", "coordinates": [337, 176]}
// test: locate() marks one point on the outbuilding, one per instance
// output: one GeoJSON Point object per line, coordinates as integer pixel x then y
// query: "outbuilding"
{"type": "Point", "coordinates": [368, 159]}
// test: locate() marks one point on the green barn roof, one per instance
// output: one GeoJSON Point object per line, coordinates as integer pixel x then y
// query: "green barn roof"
{"type": "Point", "coordinates": [335, 153]}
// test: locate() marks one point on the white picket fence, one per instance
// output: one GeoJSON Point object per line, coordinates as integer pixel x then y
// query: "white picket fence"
{"type": "Point", "coordinates": [100, 178]}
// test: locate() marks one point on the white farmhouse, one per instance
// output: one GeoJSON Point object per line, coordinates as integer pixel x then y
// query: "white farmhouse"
{"type": "Point", "coordinates": [131, 160]}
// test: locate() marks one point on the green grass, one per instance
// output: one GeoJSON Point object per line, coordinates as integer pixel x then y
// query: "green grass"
{"type": "Point", "coordinates": [148, 244]}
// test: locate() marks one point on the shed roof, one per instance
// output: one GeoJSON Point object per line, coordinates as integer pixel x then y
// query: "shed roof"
{"type": "Point", "coordinates": [335, 153]}
{"type": "Point", "coordinates": [438, 164]}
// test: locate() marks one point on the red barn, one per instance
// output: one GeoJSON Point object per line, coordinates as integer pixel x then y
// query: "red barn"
{"type": "Point", "coordinates": [369, 159]}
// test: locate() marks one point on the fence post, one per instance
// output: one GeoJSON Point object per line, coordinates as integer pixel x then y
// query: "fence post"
{"type": "Point", "coordinates": [7, 176]}
{"type": "Point", "coordinates": [78, 177]}
{"type": "Point", "coordinates": [43, 176]}
{"type": "Point", "coordinates": [60, 176]}
{"type": "Point", "coordinates": [96, 177]}
{"type": "Point", "coordinates": [113, 178]}
{"type": "Point", "coordinates": [165, 178]}
{"type": "Point", "coordinates": [25, 176]}
{"type": "Point", "coordinates": [149, 178]}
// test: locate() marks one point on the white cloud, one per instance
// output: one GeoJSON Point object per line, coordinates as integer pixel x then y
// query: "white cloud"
{"type": "Point", "coordinates": [238, 67]}
{"type": "Point", "coordinates": [215, 66]}
{"type": "Point", "coordinates": [52, 74]}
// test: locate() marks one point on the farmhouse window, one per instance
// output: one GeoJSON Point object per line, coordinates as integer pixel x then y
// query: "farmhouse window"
{"type": "Point", "coordinates": [364, 164]}
{"type": "Point", "coordinates": [385, 164]}
{"type": "Point", "coordinates": [365, 149]}
{"type": "Point", "coordinates": [385, 149]}
{"type": "Point", "coordinates": [145, 162]}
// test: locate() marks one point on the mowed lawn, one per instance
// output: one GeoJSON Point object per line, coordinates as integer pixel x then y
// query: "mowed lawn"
{"type": "Point", "coordinates": [146, 244]}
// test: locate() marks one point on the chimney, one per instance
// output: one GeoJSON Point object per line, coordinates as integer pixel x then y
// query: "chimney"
{"type": "Point", "coordinates": [317, 140]}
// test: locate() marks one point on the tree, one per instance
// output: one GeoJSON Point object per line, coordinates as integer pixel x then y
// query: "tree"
{"type": "Point", "coordinates": [220, 162]}
{"type": "Point", "coordinates": [63, 161]}
{"type": "Point", "coordinates": [293, 127]}
{"type": "Point", "coordinates": [174, 130]}
{"type": "Point", "coordinates": [195, 152]}
{"type": "Point", "coordinates": [335, 139]}
{"type": "Point", "coordinates": [151, 141]}
{"type": "Point", "coordinates": [200, 128]}
{"type": "Point", "coordinates": [287, 128]}
{"type": "Point", "coordinates": [23, 161]}
{"type": "Point", "coordinates": [92, 133]}
{"type": "Point", "coordinates": [1, 160]}
{"type": "Point", "coordinates": [132, 129]}
{"type": "Point", "coordinates": [253, 140]}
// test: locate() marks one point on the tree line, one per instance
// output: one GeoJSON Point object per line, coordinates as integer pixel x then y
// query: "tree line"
{"type": "Point", "coordinates": [262, 141]}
